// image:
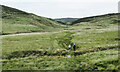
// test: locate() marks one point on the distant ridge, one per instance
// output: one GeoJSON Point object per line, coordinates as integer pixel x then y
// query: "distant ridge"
{"type": "Point", "coordinates": [65, 20]}
{"type": "Point", "coordinates": [112, 17]}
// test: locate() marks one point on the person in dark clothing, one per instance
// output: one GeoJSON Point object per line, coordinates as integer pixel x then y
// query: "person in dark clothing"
{"type": "Point", "coordinates": [74, 47]}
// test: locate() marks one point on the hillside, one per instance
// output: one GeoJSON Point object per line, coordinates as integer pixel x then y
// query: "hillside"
{"type": "Point", "coordinates": [96, 39]}
{"type": "Point", "coordinates": [99, 20]}
{"type": "Point", "coordinates": [17, 21]}
{"type": "Point", "coordinates": [65, 20]}
{"type": "Point", "coordinates": [96, 48]}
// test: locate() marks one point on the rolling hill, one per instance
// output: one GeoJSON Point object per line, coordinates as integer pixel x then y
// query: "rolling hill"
{"type": "Point", "coordinates": [17, 21]}
{"type": "Point", "coordinates": [99, 20]}
{"type": "Point", "coordinates": [65, 20]}
{"type": "Point", "coordinates": [96, 40]}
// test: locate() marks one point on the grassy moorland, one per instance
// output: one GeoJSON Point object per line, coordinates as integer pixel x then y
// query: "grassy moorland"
{"type": "Point", "coordinates": [103, 20]}
{"type": "Point", "coordinates": [97, 49]}
{"type": "Point", "coordinates": [96, 39]}
{"type": "Point", "coordinates": [17, 21]}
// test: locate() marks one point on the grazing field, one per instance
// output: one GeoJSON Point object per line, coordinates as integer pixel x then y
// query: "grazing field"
{"type": "Point", "coordinates": [97, 49]}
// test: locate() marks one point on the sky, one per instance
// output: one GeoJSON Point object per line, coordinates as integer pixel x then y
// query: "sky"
{"type": "Point", "coordinates": [64, 8]}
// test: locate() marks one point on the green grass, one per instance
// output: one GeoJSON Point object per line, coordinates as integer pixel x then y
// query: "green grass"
{"type": "Point", "coordinates": [102, 60]}
{"type": "Point", "coordinates": [96, 39]}
{"type": "Point", "coordinates": [17, 21]}
{"type": "Point", "coordinates": [97, 49]}
{"type": "Point", "coordinates": [101, 20]}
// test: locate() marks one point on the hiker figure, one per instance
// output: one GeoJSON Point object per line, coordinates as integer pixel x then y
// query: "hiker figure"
{"type": "Point", "coordinates": [74, 47]}
{"type": "Point", "coordinates": [69, 47]}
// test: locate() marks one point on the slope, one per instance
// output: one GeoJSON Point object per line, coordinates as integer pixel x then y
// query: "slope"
{"type": "Point", "coordinates": [101, 20]}
{"type": "Point", "coordinates": [17, 21]}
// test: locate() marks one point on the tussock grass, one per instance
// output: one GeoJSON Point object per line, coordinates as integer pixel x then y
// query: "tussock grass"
{"type": "Point", "coordinates": [96, 39]}
{"type": "Point", "coordinates": [95, 51]}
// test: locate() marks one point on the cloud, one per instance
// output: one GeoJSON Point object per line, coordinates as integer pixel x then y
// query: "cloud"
{"type": "Point", "coordinates": [60, 1]}
{"type": "Point", "coordinates": [64, 8]}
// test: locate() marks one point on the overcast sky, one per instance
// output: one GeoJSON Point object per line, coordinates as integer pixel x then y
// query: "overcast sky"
{"type": "Point", "coordinates": [64, 8]}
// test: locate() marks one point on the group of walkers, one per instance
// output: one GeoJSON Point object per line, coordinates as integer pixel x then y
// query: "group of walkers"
{"type": "Point", "coordinates": [74, 47]}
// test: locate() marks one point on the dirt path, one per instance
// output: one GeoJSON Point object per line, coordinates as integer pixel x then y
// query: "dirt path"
{"type": "Point", "coordinates": [38, 33]}
{"type": "Point", "coordinates": [34, 33]}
